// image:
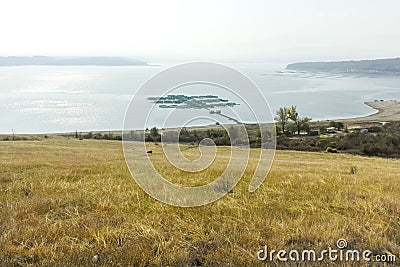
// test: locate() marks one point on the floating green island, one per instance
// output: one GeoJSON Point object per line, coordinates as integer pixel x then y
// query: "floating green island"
{"type": "Point", "coordinates": [208, 102]}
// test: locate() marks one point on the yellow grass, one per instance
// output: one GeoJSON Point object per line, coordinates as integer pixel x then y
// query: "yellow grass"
{"type": "Point", "coordinates": [73, 202]}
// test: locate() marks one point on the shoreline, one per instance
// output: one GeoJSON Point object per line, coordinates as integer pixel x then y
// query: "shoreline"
{"type": "Point", "coordinates": [386, 111]}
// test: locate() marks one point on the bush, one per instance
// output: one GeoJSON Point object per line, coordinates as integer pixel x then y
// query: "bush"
{"type": "Point", "coordinates": [331, 150]}
{"type": "Point", "coordinates": [322, 130]}
{"type": "Point", "coordinates": [337, 125]}
{"type": "Point", "coordinates": [88, 136]}
{"type": "Point", "coordinates": [353, 169]}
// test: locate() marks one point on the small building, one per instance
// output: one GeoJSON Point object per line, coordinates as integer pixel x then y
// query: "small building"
{"type": "Point", "coordinates": [331, 130]}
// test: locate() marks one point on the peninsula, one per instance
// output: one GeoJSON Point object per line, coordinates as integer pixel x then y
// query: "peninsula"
{"type": "Point", "coordinates": [376, 66]}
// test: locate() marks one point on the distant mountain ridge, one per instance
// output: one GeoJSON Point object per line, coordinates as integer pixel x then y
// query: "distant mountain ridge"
{"type": "Point", "coordinates": [375, 66]}
{"type": "Point", "coordinates": [69, 61]}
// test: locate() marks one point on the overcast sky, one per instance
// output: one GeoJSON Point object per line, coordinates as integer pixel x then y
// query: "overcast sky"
{"type": "Point", "coordinates": [220, 30]}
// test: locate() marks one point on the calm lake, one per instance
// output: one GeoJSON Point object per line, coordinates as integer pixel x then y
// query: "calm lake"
{"type": "Point", "coordinates": [46, 99]}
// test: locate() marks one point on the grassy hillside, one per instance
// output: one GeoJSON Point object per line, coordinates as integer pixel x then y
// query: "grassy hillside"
{"type": "Point", "coordinates": [73, 202]}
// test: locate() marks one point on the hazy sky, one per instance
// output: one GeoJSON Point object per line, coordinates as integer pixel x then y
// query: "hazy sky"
{"type": "Point", "coordinates": [221, 30]}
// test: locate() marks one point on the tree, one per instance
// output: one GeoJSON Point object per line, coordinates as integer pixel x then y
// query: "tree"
{"type": "Point", "coordinates": [154, 131]}
{"type": "Point", "coordinates": [282, 117]}
{"type": "Point", "coordinates": [300, 123]}
{"type": "Point", "coordinates": [338, 125]}
{"type": "Point", "coordinates": [294, 116]}
{"type": "Point", "coordinates": [154, 135]}
{"type": "Point", "coordinates": [304, 124]}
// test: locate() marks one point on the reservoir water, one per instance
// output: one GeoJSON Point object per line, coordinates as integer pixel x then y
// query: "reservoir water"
{"type": "Point", "coordinates": [46, 99]}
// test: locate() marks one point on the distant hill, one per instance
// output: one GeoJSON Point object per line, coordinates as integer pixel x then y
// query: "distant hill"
{"type": "Point", "coordinates": [376, 66]}
{"type": "Point", "coordinates": [69, 61]}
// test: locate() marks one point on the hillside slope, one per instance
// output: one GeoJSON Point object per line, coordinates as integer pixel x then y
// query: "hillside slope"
{"type": "Point", "coordinates": [73, 202]}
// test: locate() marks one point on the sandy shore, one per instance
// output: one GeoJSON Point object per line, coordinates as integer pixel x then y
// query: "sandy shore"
{"type": "Point", "coordinates": [386, 111]}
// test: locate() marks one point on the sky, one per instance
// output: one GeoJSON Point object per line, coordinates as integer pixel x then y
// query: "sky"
{"type": "Point", "coordinates": [217, 30]}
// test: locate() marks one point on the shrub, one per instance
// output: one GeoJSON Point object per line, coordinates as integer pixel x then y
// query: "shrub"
{"type": "Point", "coordinates": [331, 150]}
{"type": "Point", "coordinates": [337, 125]}
{"type": "Point", "coordinates": [353, 169]}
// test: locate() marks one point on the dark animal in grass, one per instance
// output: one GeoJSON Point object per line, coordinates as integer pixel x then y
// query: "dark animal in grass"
{"type": "Point", "coordinates": [149, 151]}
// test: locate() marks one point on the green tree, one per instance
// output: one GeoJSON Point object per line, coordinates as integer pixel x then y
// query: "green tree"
{"type": "Point", "coordinates": [304, 124]}
{"type": "Point", "coordinates": [301, 123]}
{"type": "Point", "coordinates": [154, 132]}
{"type": "Point", "coordinates": [339, 125]}
{"type": "Point", "coordinates": [154, 135]}
{"type": "Point", "coordinates": [282, 117]}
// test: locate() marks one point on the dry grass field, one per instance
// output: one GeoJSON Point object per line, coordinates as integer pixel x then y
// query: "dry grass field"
{"type": "Point", "coordinates": [69, 202]}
